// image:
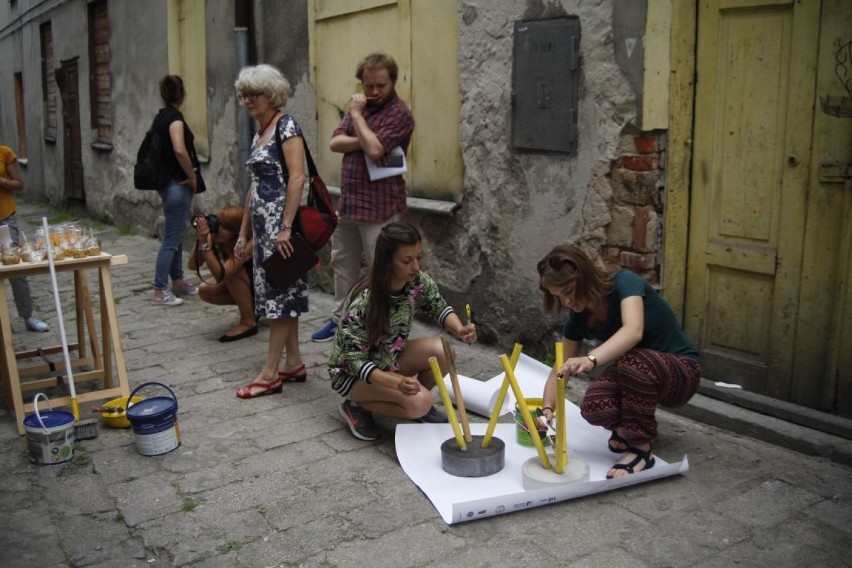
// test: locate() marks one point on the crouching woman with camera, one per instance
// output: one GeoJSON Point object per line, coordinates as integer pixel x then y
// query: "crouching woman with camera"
{"type": "Point", "coordinates": [214, 246]}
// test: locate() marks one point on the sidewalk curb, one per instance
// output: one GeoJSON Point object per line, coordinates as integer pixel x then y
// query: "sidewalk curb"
{"type": "Point", "coordinates": [766, 428]}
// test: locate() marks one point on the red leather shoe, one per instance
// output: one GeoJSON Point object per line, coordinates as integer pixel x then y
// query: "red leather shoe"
{"type": "Point", "coordinates": [267, 388]}
{"type": "Point", "coordinates": [295, 376]}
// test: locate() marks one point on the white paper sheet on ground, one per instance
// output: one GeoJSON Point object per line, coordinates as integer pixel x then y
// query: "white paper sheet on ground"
{"type": "Point", "coordinates": [480, 396]}
{"type": "Point", "coordinates": [458, 499]}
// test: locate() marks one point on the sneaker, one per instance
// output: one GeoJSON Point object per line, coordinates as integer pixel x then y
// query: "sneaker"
{"type": "Point", "coordinates": [185, 289]}
{"type": "Point", "coordinates": [166, 299]}
{"type": "Point", "coordinates": [434, 416]}
{"type": "Point", "coordinates": [326, 333]}
{"type": "Point", "coordinates": [360, 421]}
{"type": "Point", "coordinates": [35, 324]}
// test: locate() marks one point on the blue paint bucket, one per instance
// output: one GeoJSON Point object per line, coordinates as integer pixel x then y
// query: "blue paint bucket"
{"type": "Point", "coordinates": [154, 422]}
{"type": "Point", "coordinates": [50, 434]}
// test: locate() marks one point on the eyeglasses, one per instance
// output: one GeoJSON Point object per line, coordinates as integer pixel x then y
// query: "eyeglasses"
{"type": "Point", "coordinates": [554, 263]}
{"type": "Point", "coordinates": [249, 96]}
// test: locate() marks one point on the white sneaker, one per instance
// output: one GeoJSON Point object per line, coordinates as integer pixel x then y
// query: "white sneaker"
{"type": "Point", "coordinates": [167, 299]}
{"type": "Point", "coordinates": [35, 324]}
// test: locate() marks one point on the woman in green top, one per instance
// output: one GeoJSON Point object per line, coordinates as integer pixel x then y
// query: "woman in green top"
{"type": "Point", "coordinates": [652, 360]}
{"type": "Point", "coordinates": [373, 363]}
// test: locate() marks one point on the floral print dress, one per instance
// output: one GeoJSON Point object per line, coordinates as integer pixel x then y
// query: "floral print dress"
{"type": "Point", "coordinates": [268, 196]}
{"type": "Point", "coordinates": [352, 357]}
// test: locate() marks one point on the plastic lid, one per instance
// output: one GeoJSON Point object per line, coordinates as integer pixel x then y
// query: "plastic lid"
{"type": "Point", "coordinates": [50, 418]}
{"type": "Point", "coordinates": [152, 407]}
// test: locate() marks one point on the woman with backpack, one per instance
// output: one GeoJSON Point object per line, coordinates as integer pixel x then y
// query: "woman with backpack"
{"type": "Point", "coordinates": [178, 152]}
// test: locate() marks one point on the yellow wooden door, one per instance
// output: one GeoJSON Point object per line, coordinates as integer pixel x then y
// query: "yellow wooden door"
{"type": "Point", "coordinates": [421, 36]}
{"type": "Point", "coordinates": [188, 58]}
{"type": "Point", "coordinates": [754, 111]}
{"type": "Point", "coordinates": [822, 371]}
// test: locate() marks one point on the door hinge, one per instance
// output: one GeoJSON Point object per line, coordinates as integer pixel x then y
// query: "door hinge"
{"type": "Point", "coordinates": [835, 172]}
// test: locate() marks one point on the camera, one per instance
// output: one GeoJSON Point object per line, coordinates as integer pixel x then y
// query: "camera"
{"type": "Point", "coordinates": [212, 222]}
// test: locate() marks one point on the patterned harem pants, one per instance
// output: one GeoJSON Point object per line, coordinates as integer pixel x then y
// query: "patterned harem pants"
{"type": "Point", "coordinates": [626, 394]}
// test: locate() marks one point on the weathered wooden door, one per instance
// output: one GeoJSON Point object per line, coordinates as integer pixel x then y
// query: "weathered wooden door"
{"type": "Point", "coordinates": [68, 82]}
{"type": "Point", "coordinates": [754, 113]}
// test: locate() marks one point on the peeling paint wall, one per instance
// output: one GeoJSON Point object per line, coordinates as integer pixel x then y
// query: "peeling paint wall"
{"type": "Point", "coordinates": [517, 206]}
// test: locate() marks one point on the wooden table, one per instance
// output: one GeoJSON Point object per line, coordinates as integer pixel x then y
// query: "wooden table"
{"type": "Point", "coordinates": [16, 380]}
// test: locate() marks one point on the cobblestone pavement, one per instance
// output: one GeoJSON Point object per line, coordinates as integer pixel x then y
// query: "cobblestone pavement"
{"type": "Point", "coordinates": [279, 481]}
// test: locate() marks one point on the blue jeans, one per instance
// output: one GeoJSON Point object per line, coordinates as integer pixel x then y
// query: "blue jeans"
{"type": "Point", "coordinates": [177, 199]}
{"type": "Point", "coordinates": [20, 286]}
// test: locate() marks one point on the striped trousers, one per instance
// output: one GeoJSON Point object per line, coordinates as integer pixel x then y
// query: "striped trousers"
{"type": "Point", "coordinates": [626, 394]}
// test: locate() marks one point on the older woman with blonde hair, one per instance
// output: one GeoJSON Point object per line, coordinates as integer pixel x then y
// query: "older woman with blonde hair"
{"type": "Point", "coordinates": [277, 170]}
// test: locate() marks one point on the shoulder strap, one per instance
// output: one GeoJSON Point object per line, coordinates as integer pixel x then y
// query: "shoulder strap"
{"type": "Point", "coordinates": [312, 168]}
{"type": "Point", "coordinates": [156, 118]}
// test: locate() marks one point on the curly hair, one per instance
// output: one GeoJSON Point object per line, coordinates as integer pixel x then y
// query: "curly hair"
{"type": "Point", "coordinates": [266, 79]}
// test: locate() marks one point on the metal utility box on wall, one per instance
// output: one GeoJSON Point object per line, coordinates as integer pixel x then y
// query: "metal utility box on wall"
{"type": "Point", "coordinates": [545, 79]}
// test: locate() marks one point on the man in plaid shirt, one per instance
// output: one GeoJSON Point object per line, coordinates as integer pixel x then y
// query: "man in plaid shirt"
{"type": "Point", "coordinates": [377, 122]}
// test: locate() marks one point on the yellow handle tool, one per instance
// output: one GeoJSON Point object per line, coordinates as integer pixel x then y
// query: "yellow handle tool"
{"type": "Point", "coordinates": [448, 404]}
{"type": "Point", "coordinates": [501, 396]}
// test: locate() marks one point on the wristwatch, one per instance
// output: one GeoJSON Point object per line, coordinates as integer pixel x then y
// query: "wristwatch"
{"type": "Point", "coordinates": [593, 359]}
{"type": "Point", "coordinates": [205, 247]}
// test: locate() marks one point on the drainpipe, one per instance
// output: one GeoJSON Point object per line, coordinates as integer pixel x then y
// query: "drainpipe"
{"type": "Point", "coordinates": [241, 33]}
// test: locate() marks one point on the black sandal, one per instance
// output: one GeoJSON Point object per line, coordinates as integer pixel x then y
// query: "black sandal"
{"type": "Point", "coordinates": [640, 455]}
{"type": "Point", "coordinates": [619, 440]}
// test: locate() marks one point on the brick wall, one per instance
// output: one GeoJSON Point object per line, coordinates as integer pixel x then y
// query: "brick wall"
{"type": "Point", "coordinates": [633, 238]}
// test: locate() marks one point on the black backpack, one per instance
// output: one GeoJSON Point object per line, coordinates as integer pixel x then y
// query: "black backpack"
{"type": "Point", "coordinates": [149, 172]}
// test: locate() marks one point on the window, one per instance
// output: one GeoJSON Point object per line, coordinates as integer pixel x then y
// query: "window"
{"type": "Point", "coordinates": [48, 82]}
{"type": "Point", "coordinates": [20, 116]}
{"type": "Point", "coordinates": [99, 80]}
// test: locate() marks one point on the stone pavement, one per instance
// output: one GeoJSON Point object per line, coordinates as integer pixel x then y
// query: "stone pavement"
{"type": "Point", "coordinates": [279, 481]}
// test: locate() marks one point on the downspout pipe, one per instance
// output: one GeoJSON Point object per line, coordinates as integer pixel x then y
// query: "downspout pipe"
{"type": "Point", "coordinates": [242, 17]}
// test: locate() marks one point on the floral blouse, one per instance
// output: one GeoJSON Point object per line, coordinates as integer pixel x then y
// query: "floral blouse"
{"type": "Point", "coordinates": [352, 357]}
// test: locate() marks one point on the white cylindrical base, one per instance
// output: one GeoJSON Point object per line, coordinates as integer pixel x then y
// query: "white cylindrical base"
{"type": "Point", "coordinates": [537, 477]}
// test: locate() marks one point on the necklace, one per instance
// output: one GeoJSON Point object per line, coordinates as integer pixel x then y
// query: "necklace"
{"type": "Point", "coordinates": [268, 122]}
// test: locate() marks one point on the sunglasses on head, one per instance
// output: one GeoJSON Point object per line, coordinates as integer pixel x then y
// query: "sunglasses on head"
{"type": "Point", "coordinates": [554, 263]}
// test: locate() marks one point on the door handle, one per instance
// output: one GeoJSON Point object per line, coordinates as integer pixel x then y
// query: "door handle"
{"type": "Point", "coordinates": [793, 159]}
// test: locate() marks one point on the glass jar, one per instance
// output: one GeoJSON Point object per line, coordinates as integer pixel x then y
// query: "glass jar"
{"type": "Point", "coordinates": [93, 246]}
{"type": "Point", "coordinates": [11, 254]}
{"type": "Point", "coordinates": [26, 252]}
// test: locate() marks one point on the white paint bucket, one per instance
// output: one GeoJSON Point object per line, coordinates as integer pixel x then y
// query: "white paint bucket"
{"type": "Point", "coordinates": [154, 422]}
{"type": "Point", "coordinates": [50, 434]}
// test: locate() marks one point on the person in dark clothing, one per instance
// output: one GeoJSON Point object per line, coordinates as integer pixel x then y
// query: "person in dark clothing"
{"type": "Point", "coordinates": [178, 151]}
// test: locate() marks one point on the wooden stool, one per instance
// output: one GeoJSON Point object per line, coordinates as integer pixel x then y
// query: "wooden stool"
{"type": "Point", "coordinates": [100, 359]}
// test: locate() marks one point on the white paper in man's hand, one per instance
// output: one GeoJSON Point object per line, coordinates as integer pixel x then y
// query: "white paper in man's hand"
{"type": "Point", "coordinates": [388, 165]}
